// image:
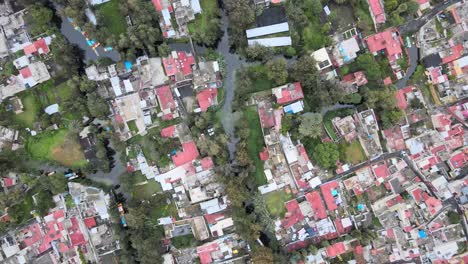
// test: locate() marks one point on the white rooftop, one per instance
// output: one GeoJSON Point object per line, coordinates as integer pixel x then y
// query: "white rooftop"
{"type": "Point", "coordinates": [267, 30]}
{"type": "Point", "coordinates": [271, 42]}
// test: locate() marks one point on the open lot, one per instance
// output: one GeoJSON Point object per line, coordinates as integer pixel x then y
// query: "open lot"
{"type": "Point", "coordinates": [58, 146]}
{"type": "Point", "coordinates": [202, 22]}
{"type": "Point", "coordinates": [255, 143]}
{"type": "Point", "coordinates": [145, 191]}
{"type": "Point", "coordinates": [275, 202]}
{"type": "Point", "coordinates": [111, 17]}
{"type": "Point", "coordinates": [259, 78]}
{"type": "Point", "coordinates": [30, 112]}
{"type": "Point", "coordinates": [352, 152]}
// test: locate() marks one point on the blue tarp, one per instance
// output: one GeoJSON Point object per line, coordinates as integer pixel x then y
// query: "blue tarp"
{"type": "Point", "coordinates": [128, 65]}
{"type": "Point", "coordinates": [334, 192]}
{"type": "Point", "coordinates": [422, 234]}
{"type": "Point", "coordinates": [360, 207]}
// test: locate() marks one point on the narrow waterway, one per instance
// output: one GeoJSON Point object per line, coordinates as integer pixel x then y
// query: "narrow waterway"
{"type": "Point", "coordinates": [233, 63]}
{"type": "Point", "coordinates": [75, 37]}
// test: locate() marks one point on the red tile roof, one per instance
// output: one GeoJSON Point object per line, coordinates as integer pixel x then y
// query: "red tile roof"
{"type": "Point", "coordinates": [76, 236]}
{"type": "Point", "coordinates": [381, 171]}
{"type": "Point", "coordinates": [417, 194]}
{"type": "Point", "coordinates": [455, 15]}
{"type": "Point", "coordinates": [422, 2]}
{"type": "Point", "coordinates": [377, 11]}
{"type": "Point", "coordinates": [387, 81]}
{"type": "Point", "coordinates": [264, 154]}
{"type": "Point", "coordinates": [433, 204]}
{"type": "Point", "coordinates": [207, 98]}
{"type": "Point", "coordinates": [25, 72]}
{"type": "Point", "coordinates": [166, 100]}
{"type": "Point", "coordinates": [204, 252]}
{"type": "Point", "coordinates": [390, 233]}
{"type": "Point", "coordinates": [336, 249]}
{"type": "Point", "coordinates": [157, 5]}
{"type": "Point", "coordinates": [357, 77]}
{"type": "Point", "coordinates": [290, 93]}
{"type": "Point", "coordinates": [394, 138]}
{"type": "Point", "coordinates": [90, 222]}
{"type": "Point", "coordinates": [267, 118]}
{"type": "Point", "coordinates": [8, 182]}
{"type": "Point", "coordinates": [189, 153]}
{"type": "Point", "coordinates": [213, 218]}
{"type": "Point", "coordinates": [459, 160]}
{"type": "Point", "coordinates": [207, 163]}
{"type": "Point", "coordinates": [35, 234]}
{"type": "Point", "coordinates": [457, 51]}
{"type": "Point", "coordinates": [182, 64]}
{"type": "Point", "coordinates": [317, 204]}
{"type": "Point", "coordinates": [294, 214]}
{"type": "Point", "coordinates": [400, 95]}
{"type": "Point", "coordinates": [39, 46]}
{"type": "Point", "coordinates": [168, 132]}
{"type": "Point", "coordinates": [327, 189]}
{"type": "Point", "coordinates": [386, 42]}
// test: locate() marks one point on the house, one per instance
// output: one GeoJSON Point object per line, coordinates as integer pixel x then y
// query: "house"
{"type": "Point", "coordinates": [331, 194]}
{"type": "Point", "coordinates": [459, 67]}
{"type": "Point", "coordinates": [336, 250]}
{"type": "Point", "coordinates": [317, 205]}
{"type": "Point", "coordinates": [345, 127]}
{"type": "Point", "coordinates": [387, 42]}
{"type": "Point", "coordinates": [351, 82]}
{"type": "Point", "coordinates": [435, 75]}
{"type": "Point", "coordinates": [188, 154]}
{"type": "Point", "coordinates": [207, 98]}
{"type": "Point", "coordinates": [346, 51]}
{"type": "Point", "coordinates": [368, 133]}
{"type": "Point", "coordinates": [293, 215]}
{"type": "Point", "coordinates": [35, 73]}
{"type": "Point", "coordinates": [322, 59]}
{"type": "Point", "coordinates": [10, 180]}
{"type": "Point", "coordinates": [377, 12]}
{"type": "Point", "coordinates": [288, 93]}
{"type": "Point", "coordinates": [458, 159]}
{"type": "Point", "coordinates": [406, 95]}
{"type": "Point", "coordinates": [38, 47]}
{"type": "Point", "coordinates": [166, 102]}
{"type": "Point", "coordinates": [178, 66]}
{"type": "Point", "coordinates": [184, 12]}
{"type": "Point", "coordinates": [207, 75]}
{"type": "Point", "coordinates": [7, 137]}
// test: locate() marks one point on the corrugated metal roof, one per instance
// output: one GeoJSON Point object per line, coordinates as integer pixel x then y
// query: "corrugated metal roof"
{"type": "Point", "coordinates": [271, 42]}
{"type": "Point", "coordinates": [268, 30]}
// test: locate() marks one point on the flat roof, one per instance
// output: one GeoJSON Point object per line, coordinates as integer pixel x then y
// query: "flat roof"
{"type": "Point", "coordinates": [271, 42]}
{"type": "Point", "coordinates": [267, 30]}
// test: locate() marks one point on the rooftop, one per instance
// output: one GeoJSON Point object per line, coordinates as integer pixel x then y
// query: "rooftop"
{"type": "Point", "coordinates": [189, 153]}
{"type": "Point", "coordinates": [330, 193]}
{"type": "Point", "coordinates": [207, 98]}
{"type": "Point", "coordinates": [317, 204]}
{"type": "Point", "coordinates": [288, 93]}
{"type": "Point", "coordinates": [388, 41]}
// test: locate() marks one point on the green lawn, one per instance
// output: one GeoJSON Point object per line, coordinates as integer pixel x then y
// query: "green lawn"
{"type": "Point", "coordinates": [132, 126]}
{"type": "Point", "coordinates": [352, 152]}
{"type": "Point", "coordinates": [144, 192]}
{"type": "Point", "coordinates": [57, 146]}
{"type": "Point", "coordinates": [313, 37]}
{"type": "Point", "coordinates": [31, 109]}
{"type": "Point", "coordinates": [112, 19]}
{"type": "Point", "coordinates": [275, 202]}
{"type": "Point", "coordinates": [164, 210]}
{"type": "Point", "coordinates": [255, 143]}
{"type": "Point", "coordinates": [202, 22]}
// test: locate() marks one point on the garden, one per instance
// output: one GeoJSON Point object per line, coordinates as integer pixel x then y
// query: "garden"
{"type": "Point", "coordinates": [275, 202]}
{"type": "Point", "coordinates": [255, 143]}
{"type": "Point", "coordinates": [59, 146]}
{"type": "Point", "coordinates": [111, 17]}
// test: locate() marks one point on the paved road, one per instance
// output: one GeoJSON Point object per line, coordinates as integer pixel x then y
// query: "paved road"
{"type": "Point", "coordinates": [413, 63]}
{"type": "Point", "coordinates": [415, 24]}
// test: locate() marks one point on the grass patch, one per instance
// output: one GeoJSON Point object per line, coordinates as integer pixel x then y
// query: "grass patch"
{"type": "Point", "coordinates": [57, 146]}
{"type": "Point", "coordinates": [202, 22]}
{"type": "Point", "coordinates": [164, 210]}
{"type": "Point", "coordinates": [31, 109]}
{"type": "Point", "coordinates": [255, 143]}
{"type": "Point", "coordinates": [145, 191]}
{"type": "Point", "coordinates": [184, 241]}
{"type": "Point", "coordinates": [314, 39]}
{"type": "Point", "coordinates": [132, 126]}
{"type": "Point", "coordinates": [111, 17]}
{"type": "Point", "coordinates": [361, 12]}
{"type": "Point", "coordinates": [275, 202]}
{"type": "Point", "coordinates": [352, 152]}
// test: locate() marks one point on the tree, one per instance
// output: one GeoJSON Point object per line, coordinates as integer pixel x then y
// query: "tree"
{"type": "Point", "coordinates": [353, 98]}
{"type": "Point", "coordinates": [340, 2]}
{"type": "Point", "coordinates": [391, 5]}
{"type": "Point", "coordinates": [454, 217]}
{"type": "Point", "coordinates": [164, 50]}
{"type": "Point", "coordinates": [258, 52]}
{"type": "Point", "coordinates": [97, 106]}
{"type": "Point", "coordinates": [413, 7]}
{"type": "Point", "coordinates": [311, 125]}
{"type": "Point", "coordinates": [367, 63]}
{"type": "Point", "coordinates": [313, 249]}
{"type": "Point", "coordinates": [262, 255]}
{"type": "Point", "coordinates": [241, 16]}
{"type": "Point", "coordinates": [58, 183]}
{"type": "Point", "coordinates": [415, 103]}
{"type": "Point", "coordinates": [277, 71]}
{"type": "Point", "coordinates": [38, 19]}
{"type": "Point", "coordinates": [326, 155]}
{"type": "Point", "coordinates": [314, 6]}
{"type": "Point", "coordinates": [391, 117]}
